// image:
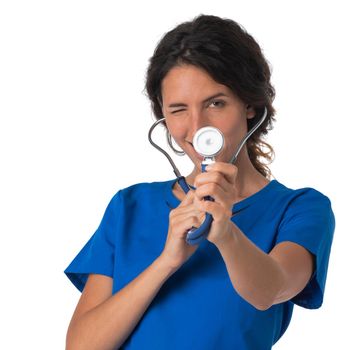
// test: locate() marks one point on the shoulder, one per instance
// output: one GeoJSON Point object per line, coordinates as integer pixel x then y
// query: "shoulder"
{"type": "Point", "coordinates": [306, 206]}
{"type": "Point", "coordinates": [143, 191]}
{"type": "Point", "coordinates": [299, 206]}
{"type": "Point", "coordinates": [304, 196]}
{"type": "Point", "coordinates": [144, 188]}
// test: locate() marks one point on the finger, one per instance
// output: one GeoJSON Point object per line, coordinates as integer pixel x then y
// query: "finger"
{"type": "Point", "coordinates": [213, 177]}
{"type": "Point", "coordinates": [227, 169]}
{"type": "Point", "coordinates": [188, 199]}
{"type": "Point", "coordinates": [213, 190]}
{"type": "Point", "coordinates": [187, 210]}
{"type": "Point", "coordinates": [191, 209]}
{"type": "Point", "coordinates": [182, 223]}
{"type": "Point", "coordinates": [218, 212]}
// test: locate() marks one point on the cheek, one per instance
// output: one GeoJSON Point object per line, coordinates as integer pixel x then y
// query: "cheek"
{"type": "Point", "coordinates": [177, 130]}
{"type": "Point", "coordinates": [234, 134]}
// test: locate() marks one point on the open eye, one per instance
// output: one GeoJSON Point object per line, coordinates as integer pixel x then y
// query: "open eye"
{"type": "Point", "coordinates": [218, 103]}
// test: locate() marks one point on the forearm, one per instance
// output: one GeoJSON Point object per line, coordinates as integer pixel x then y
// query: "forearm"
{"type": "Point", "coordinates": [255, 275]}
{"type": "Point", "coordinates": [109, 324]}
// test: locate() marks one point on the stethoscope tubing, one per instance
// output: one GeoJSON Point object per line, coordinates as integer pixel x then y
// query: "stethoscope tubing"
{"type": "Point", "coordinates": [196, 235]}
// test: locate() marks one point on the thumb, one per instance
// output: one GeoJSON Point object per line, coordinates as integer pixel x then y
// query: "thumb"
{"type": "Point", "coordinates": [188, 199]}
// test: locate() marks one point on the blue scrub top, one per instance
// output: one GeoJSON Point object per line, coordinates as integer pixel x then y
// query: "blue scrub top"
{"type": "Point", "coordinates": [197, 307]}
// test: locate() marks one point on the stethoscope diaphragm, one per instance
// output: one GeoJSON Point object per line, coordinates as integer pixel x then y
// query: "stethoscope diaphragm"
{"type": "Point", "coordinates": [208, 141]}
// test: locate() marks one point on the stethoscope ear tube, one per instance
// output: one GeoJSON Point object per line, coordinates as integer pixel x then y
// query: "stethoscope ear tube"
{"type": "Point", "coordinates": [197, 235]}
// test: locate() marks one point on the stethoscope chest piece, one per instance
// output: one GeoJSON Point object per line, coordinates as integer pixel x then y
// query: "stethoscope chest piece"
{"type": "Point", "coordinates": [208, 141]}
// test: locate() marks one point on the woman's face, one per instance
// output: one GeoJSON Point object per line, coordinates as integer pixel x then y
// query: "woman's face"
{"type": "Point", "coordinates": [192, 100]}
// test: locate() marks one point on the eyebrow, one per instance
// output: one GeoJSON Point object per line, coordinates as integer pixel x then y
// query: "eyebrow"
{"type": "Point", "coordinates": [178, 104]}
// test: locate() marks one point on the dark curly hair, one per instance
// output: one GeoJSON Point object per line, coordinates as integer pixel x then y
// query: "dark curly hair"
{"type": "Point", "coordinates": [232, 57]}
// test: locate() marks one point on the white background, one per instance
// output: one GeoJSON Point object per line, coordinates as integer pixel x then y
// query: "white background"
{"type": "Point", "coordinates": [74, 123]}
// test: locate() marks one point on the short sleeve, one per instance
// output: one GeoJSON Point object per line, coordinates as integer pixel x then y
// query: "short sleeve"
{"type": "Point", "coordinates": [309, 221]}
{"type": "Point", "coordinates": [97, 256]}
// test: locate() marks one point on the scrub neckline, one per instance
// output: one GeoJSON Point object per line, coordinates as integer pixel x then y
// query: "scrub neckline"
{"type": "Point", "coordinates": [173, 201]}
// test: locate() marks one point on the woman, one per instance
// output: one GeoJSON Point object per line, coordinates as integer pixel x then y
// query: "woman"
{"type": "Point", "coordinates": [143, 286]}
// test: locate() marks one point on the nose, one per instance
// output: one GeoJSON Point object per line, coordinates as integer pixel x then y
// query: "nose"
{"type": "Point", "coordinates": [197, 119]}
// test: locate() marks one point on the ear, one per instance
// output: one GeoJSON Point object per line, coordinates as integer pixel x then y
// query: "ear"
{"type": "Point", "coordinates": [250, 112]}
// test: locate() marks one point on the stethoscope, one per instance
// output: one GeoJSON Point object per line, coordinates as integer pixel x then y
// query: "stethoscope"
{"type": "Point", "coordinates": [208, 142]}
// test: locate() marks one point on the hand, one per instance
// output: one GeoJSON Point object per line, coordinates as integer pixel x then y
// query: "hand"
{"type": "Point", "coordinates": [176, 250]}
{"type": "Point", "coordinates": [219, 183]}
